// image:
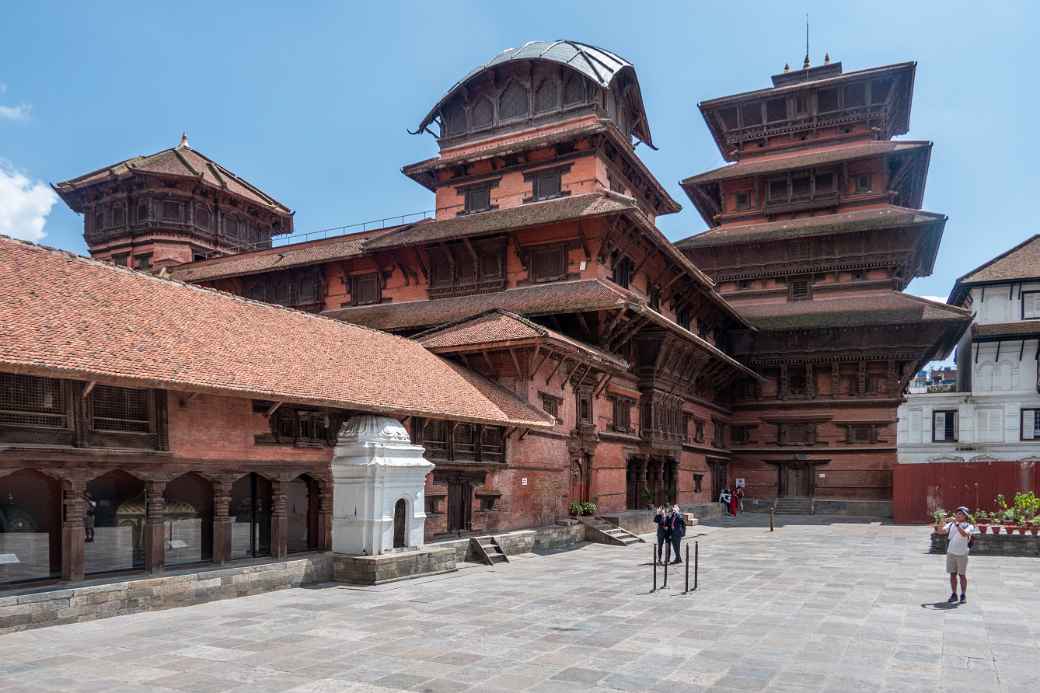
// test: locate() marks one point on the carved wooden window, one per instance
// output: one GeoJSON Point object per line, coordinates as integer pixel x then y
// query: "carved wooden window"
{"type": "Point", "coordinates": [777, 190]}
{"type": "Point", "coordinates": [751, 113]}
{"type": "Point", "coordinates": [698, 431]}
{"type": "Point", "coordinates": [796, 381]}
{"type": "Point", "coordinates": [441, 263]}
{"type": "Point", "coordinates": [435, 439]}
{"type": "Point", "coordinates": [142, 211]}
{"type": "Point", "coordinates": [573, 90]}
{"type": "Point", "coordinates": [801, 104]}
{"type": "Point", "coordinates": [477, 198]}
{"type": "Point", "coordinates": [492, 259]}
{"type": "Point", "coordinates": [513, 102]}
{"type": "Point", "coordinates": [742, 200]}
{"type": "Point", "coordinates": [26, 400]}
{"type": "Point", "coordinates": [257, 291]}
{"type": "Point", "coordinates": [546, 185]}
{"type": "Point", "coordinates": [799, 289]}
{"type": "Point", "coordinates": [801, 185]}
{"type": "Point", "coordinates": [654, 299]}
{"type": "Point", "coordinates": [99, 220]}
{"type": "Point", "coordinates": [797, 433]}
{"type": "Point", "coordinates": [118, 214]}
{"type": "Point", "coordinates": [143, 262]}
{"type": "Point", "coordinates": [826, 182]}
{"type": "Point", "coordinates": [121, 259]}
{"type": "Point", "coordinates": [364, 289]}
{"type": "Point", "coordinates": [464, 442]}
{"type": "Point", "coordinates": [622, 415]}
{"type": "Point", "coordinates": [454, 116]}
{"type": "Point", "coordinates": [861, 433]}
{"type": "Point", "coordinates": [728, 118]}
{"type": "Point", "coordinates": [718, 437]}
{"type": "Point", "coordinates": [202, 217]}
{"type": "Point", "coordinates": [584, 408]}
{"type": "Point", "coordinates": [863, 183]}
{"type": "Point", "coordinates": [856, 95]}
{"type": "Point", "coordinates": [686, 421]}
{"type": "Point", "coordinates": [880, 89]}
{"type": "Point", "coordinates": [682, 317]}
{"type": "Point", "coordinates": [120, 409]}
{"type": "Point", "coordinates": [1030, 305]}
{"type": "Point", "coordinates": [776, 109]}
{"type": "Point", "coordinates": [698, 479]}
{"type": "Point", "coordinates": [944, 426]}
{"type": "Point", "coordinates": [623, 269]}
{"type": "Point", "coordinates": [740, 434]}
{"type": "Point", "coordinates": [492, 444]}
{"type": "Point", "coordinates": [551, 406]}
{"type": "Point", "coordinates": [1031, 424]}
{"type": "Point", "coordinates": [306, 428]}
{"type": "Point", "coordinates": [483, 114]}
{"type": "Point", "coordinates": [308, 288]}
{"type": "Point", "coordinates": [826, 100]}
{"type": "Point", "coordinates": [171, 211]}
{"type": "Point", "coordinates": [280, 290]}
{"type": "Point", "coordinates": [545, 96]}
{"type": "Point", "coordinates": [548, 263]}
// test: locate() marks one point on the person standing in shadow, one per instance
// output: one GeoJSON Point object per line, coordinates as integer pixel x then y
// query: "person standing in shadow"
{"type": "Point", "coordinates": [677, 527]}
{"type": "Point", "coordinates": [663, 533]}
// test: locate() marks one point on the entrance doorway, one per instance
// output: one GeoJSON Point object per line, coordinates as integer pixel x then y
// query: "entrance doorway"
{"type": "Point", "coordinates": [460, 505]}
{"type": "Point", "coordinates": [796, 480]}
{"type": "Point", "coordinates": [400, 522]}
{"type": "Point", "coordinates": [719, 477]}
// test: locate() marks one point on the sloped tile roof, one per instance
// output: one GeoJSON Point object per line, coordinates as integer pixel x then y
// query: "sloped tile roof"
{"type": "Point", "coordinates": [181, 161]}
{"type": "Point", "coordinates": [134, 329]}
{"type": "Point", "coordinates": [889, 216]}
{"type": "Point", "coordinates": [540, 299]}
{"type": "Point", "coordinates": [889, 308]}
{"type": "Point", "coordinates": [1019, 263]}
{"type": "Point", "coordinates": [533, 214]}
{"type": "Point", "coordinates": [785, 161]}
{"type": "Point", "coordinates": [500, 326]}
{"type": "Point", "coordinates": [281, 257]}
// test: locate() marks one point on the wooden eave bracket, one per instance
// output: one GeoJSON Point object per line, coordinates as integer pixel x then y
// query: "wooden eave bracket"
{"type": "Point", "coordinates": [273, 408]}
{"type": "Point", "coordinates": [89, 388]}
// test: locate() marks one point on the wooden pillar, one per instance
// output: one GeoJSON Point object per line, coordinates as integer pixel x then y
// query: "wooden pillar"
{"type": "Point", "coordinates": [72, 528]}
{"type": "Point", "coordinates": [644, 473]}
{"type": "Point", "coordinates": [782, 393]}
{"type": "Point", "coordinates": [324, 538]}
{"type": "Point", "coordinates": [892, 380]}
{"type": "Point", "coordinates": [810, 381]}
{"type": "Point", "coordinates": [662, 491]}
{"type": "Point", "coordinates": [279, 519]}
{"type": "Point", "coordinates": [154, 526]}
{"type": "Point", "coordinates": [861, 380]}
{"type": "Point", "coordinates": [221, 521]}
{"type": "Point", "coordinates": [835, 378]}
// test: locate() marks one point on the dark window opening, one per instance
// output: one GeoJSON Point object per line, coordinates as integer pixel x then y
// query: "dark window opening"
{"type": "Point", "coordinates": [718, 434]}
{"type": "Point", "coordinates": [778, 190]}
{"type": "Point", "coordinates": [573, 90]}
{"type": "Point", "coordinates": [682, 317]}
{"type": "Point", "coordinates": [551, 406]}
{"type": "Point", "coordinates": [944, 426]}
{"type": "Point", "coordinates": [799, 289]}
{"type": "Point", "coordinates": [797, 434]}
{"type": "Point", "coordinates": [654, 299]}
{"type": "Point", "coordinates": [584, 408]}
{"type": "Point", "coordinates": [513, 102]}
{"type": "Point", "coordinates": [751, 114]}
{"type": "Point", "coordinates": [796, 381]}
{"type": "Point", "coordinates": [698, 431]}
{"type": "Point", "coordinates": [548, 263]}
{"type": "Point", "coordinates": [99, 220]}
{"type": "Point", "coordinates": [623, 268]}
{"type": "Point", "coordinates": [861, 433]}
{"type": "Point", "coordinates": [880, 89]}
{"type": "Point", "coordinates": [142, 211]}
{"type": "Point", "coordinates": [478, 199]}
{"type": "Point", "coordinates": [26, 400]}
{"type": "Point", "coordinates": [546, 185]}
{"type": "Point", "coordinates": [143, 262]}
{"type": "Point", "coordinates": [801, 104]}
{"type": "Point", "coordinates": [744, 284]}
{"type": "Point", "coordinates": [483, 114]}
{"type": "Point", "coordinates": [742, 200]}
{"type": "Point", "coordinates": [826, 182]}
{"type": "Point", "coordinates": [118, 215]}
{"type": "Point", "coordinates": [121, 260]}
{"type": "Point", "coordinates": [740, 434]}
{"type": "Point", "coordinates": [120, 409]}
{"type": "Point", "coordinates": [826, 100]}
{"type": "Point", "coordinates": [171, 211]}
{"type": "Point", "coordinates": [364, 289]}
{"type": "Point", "coordinates": [776, 109]}
{"type": "Point", "coordinates": [863, 183]}
{"type": "Point", "coordinates": [728, 116]}
{"type": "Point", "coordinates": [454, 119]}
{"type": "Point", "coordinates": [856, 95]}
{"type": "Point", "coordinates": [698, 479]}
{"type": "Point", "coordinates": [801, 186]}
{"type": "Point", "coordinates": [622, 414]}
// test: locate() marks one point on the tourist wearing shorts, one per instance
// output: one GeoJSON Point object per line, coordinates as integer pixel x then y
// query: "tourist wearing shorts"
{"type": "Point", "coordinates": [959, 534]}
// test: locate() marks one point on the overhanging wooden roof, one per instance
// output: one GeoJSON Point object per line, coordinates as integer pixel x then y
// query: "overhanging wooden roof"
{"type": "Point", "coordinates": [1018, 264]}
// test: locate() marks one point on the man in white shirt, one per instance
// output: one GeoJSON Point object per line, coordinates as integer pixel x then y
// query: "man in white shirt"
{"type": "Point", "coordinates": [959, 534]}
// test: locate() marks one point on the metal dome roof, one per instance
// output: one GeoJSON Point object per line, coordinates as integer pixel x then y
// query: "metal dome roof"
{"type": "Point", "coordinates": [597, 64]}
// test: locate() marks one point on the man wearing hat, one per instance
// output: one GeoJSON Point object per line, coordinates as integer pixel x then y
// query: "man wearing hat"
{"type": "Point", "coordinates": [959, 534]}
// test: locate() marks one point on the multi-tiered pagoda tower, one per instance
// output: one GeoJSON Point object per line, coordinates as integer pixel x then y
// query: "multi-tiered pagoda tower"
{"type": "Point", "coordinates": [815, 230]}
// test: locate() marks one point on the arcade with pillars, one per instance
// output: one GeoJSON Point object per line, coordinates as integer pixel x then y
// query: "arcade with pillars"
{"type": "Point", "coordinates": [650, 480]}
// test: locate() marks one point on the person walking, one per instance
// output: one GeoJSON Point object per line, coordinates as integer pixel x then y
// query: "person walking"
{"type": "Point", "coordinates": [663, 533]}
{"type": "Point", "coordinates": [958, 532]}
{"type": "Point", "coordinates": [725, 497]}
{"type": "Point", "coordinates": [677, 525]}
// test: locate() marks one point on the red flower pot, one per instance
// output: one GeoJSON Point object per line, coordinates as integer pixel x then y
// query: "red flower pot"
{"type": "Point", "coordinates": [1022, 529]}
{"type": "Point", "coordinates": [1010, 529]}
{"type": "Point", "coordinates": [983, 528]}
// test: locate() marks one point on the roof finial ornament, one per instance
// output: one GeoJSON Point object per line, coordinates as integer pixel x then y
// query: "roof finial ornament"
{"type": "Point", "coordinates": [827, 58]}
{"type": "Point", "coordinates": [184, 141]}
{"type": "Point", "coordinates": [787, 67]}
{"type": "Point", "coordinates": [806, 63]}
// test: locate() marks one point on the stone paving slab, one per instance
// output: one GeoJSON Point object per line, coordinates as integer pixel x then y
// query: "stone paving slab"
{"type": "Point", "coordinates": [814, 606]}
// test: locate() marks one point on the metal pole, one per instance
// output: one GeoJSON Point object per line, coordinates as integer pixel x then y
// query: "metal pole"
{"type": "Point", "coordinates": [653, 560]}
{"type": "Point", "coordinates": [667, 560]}
{"type": "Point", "coordinates": [686, 582]}
{"type": "Point", "coordinates": [696, 562]}
{"type": "Point", "coordinates": [771, 519]}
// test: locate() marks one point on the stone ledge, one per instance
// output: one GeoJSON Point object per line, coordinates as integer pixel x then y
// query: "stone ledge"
{"type": "Point", "coordinates": [390, 567]}
{"type": "Point", "coordinates": [1025, 545]}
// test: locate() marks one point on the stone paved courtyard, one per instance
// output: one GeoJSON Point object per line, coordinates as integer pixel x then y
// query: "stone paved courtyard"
{"type": "Point", "coordinates": [811, 607]}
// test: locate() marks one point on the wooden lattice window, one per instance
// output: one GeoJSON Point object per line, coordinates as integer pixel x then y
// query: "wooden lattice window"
{"type": "Point", "coordinates": [513, 102]}
{"type": "Point", "coordinates": [26, 400]}
{"type": "Point", "coordinates": [584, 408]}
{"type": "Point", "coordinates": [545, 96]}
{"type": "Point", "coordinates": [698, 431]}
{"type": "Point", "coordinates": [799, 289]}
{"type": "Point", "coordinates": [742, 200]}
{"type": "Point", "coordinates": [435, 438]}
{"type": "Point", "coordinates": [880, 89]}
{"type": "Point", "coordinates": [231, 229]}
{"type": "Point", "coordinates": [202, 217]}
{"type": "Point", "coordinates": [120, 409]}
{"type": "Point", "coordinates": [464, 442]}
{"type": "Point", "coordinates": [622, 414]}
{"type": "Point", "coordinates": [308, 288]}
{"type": "Point", "coordinates": [797, 433]}
{"type": "Point", "coordinates": [492, 444]}
{"type": "Point", "coordinates": [740, 435]}
{"type": "Point", "coordinates": [623, 268]}
{"type": "Point", "coordinates": [751, 113]}
{"type": "Point", "coordinates": [99, 220]}
{"type": "Point", "coordinates": [573, 90]}
{"type": "Point", "coordinates": [826, 100]}
{"type": "Point", "coordinates": [477, 198]}
{"type": "Point", "coordinates": [483, 114]}
{"type": "Point", "coordinates": [257, 291]}
{"type": "Point", "coordinates": [856, 95]}
{"type": "Point", "coordinates": [551, 406]}
{"type": "Point", "coordinates": [728, 118]}
{"type": "Point", "coordinates": [718, 438]}
{"type": "Point", "coordinates": [118, 214]}
{"type": "Point", "coordinates": [142, 211]}
{"type": "Point", "coordinates": [862, 433]}
{"type": "Point", "coordinates": [364, 289]}
{"type": "Point", "coordinates": [121, 259]}
{"type": "Point", "coordinates": [776, 109]}
{"type": "Point", "coordinates": [548, 263]}
{"type": "Point", "coordinates": [546, 185]}
{"type": "Point", "coordinates": [171, 211]}
{"type": "Point", "coordinates": [454, 119]}
{"type": "Point", "coordinates": [863, 183]}
{"type": "Point", "coordinates": [143, 262]}
{"type": "Point", "coordinates": [682, 317]}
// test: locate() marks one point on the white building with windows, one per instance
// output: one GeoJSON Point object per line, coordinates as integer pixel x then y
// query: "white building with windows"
{"type": "Point", "coordinates": [995, 412]}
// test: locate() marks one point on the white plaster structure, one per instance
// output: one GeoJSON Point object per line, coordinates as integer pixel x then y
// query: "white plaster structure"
{"type": "Point", "coordinates": [375, 466]}
{"type": "Point", "coordinates": [995, 414]}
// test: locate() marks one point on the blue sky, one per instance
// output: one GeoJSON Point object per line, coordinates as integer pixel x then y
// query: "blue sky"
{"type": "Point", "coordinates": [311, 100]}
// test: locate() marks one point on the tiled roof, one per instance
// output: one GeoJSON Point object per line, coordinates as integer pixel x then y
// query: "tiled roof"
{"type": "Point", "coordinates": [281, 257]}
{"type": "Point", "coordinates": [1021, 262]}
{"type": "Point", "coordinates": [539, 299]}
{"type": "Point", "coordinates": [533, 214]}
{"type": "Point", "coordinates": [889, 216]}
{"type": "Point", "coordinates": [181, 161]}
{"type": "Point", "coordinates": [789, 160]}
{"type": "Point", "coordinates": [134, 329]}
{"type": "Point", "coordinates": [1025, 328]}
{"type": "Point", "coordinates": [889, 308]}
{"type": "Point", "coordinates": [500, 326]}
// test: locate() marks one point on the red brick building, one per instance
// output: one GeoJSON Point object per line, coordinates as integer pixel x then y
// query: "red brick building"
{"type": "Point", "coordinates": [669, 371]}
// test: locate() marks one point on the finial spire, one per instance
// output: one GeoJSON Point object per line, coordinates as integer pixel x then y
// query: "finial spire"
{"type": "Point", "coordinates": [827, 58]}
{"type": "Point", "coordinates": [184, 141]}
{"type": "Point", "coordinates": [787, 67]}
{"type": "Point", "coordinates": [806, 63]}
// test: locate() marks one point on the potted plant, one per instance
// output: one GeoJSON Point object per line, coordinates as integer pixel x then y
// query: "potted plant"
{"type": "Point", "coordinates": [575, 508]}
{"type": "Point", "coordinates": [1034, 528]}
{"type": "Point", "coordinates": [938, 517]}
{"type": "Point", "coordinates": [1010, 523]}
{"type": "Point", "coordinates": [588, 508]}
{"type": "Point", "coordinates": [981, 521]}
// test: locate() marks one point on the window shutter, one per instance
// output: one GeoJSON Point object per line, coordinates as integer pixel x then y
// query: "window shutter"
{"type": "Point", "coordinates": [954, 424]}
{"type": "Point", "coordinates": [1030, 424]}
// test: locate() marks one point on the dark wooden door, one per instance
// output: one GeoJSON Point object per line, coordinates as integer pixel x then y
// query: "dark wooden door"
{"type": "Point", "coordinates": [797, 480]}
{"type": "Point", "coordinates": [460, 503]}
{"type": "Point", "coordinates": [400, 522]}
{"type": "Point", "coordinates": [718, 479]}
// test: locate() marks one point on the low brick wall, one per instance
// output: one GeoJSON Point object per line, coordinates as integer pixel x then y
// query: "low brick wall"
{"type": "Point", "coordinates": [994, 545]}
{"type": "Point", "coordinates": [853, 508]}
{"type": "Point", "coordinates": [548, 538]}
{"type": "Point", "coordinates": [389, 567]}
{"type": "Point", "coordinates": [95, 599]}
{"type": "Point", "coordinates": [558, 537]}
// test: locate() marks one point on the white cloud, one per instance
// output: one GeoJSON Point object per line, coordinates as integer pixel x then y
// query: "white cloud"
{"type": "Point", "coordinates": [937, 299]}
{"type": "Point", "coordinates": [20, 112]}
{"type": "Point", "coordinates": [24, 204]}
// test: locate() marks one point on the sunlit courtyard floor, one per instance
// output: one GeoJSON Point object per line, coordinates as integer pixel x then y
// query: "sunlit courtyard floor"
{"type": "Point", "coordinates": [813, 606]}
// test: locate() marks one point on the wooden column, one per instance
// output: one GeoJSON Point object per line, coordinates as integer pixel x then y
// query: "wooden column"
{"type": "Point", "coordinates": [324, 538]}
{"type": "Point", "coordinates": [782, 390]}
{"type": "Point", "coordinates": [810, 381]}
{"type": "Point", "coordinates": [279, 519]}
{"type": "Point", "coordinates": [72, 528]}
{"type": "Point", "coordinates": [861, 380]}
{"type": "Point", "coordinates": [644, 473]}
{"type": "Point", "coordinates": [835, 378]}
{"type": "Point", "coordinates": [154, 526]}
{"type": "Point", "coordinates": [221, 521]}
{"type": "Point", "coordinates": [892, 380]}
